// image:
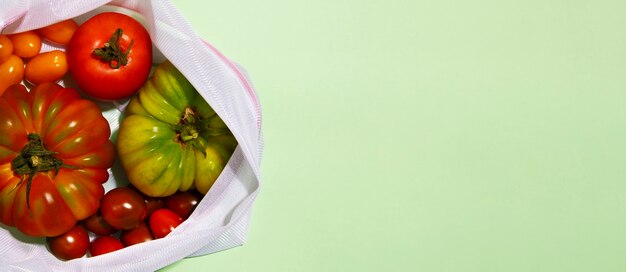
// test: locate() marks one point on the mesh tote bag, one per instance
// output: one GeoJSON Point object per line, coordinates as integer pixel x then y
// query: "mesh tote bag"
{"type": "Point", "coordinates": [220, 221]}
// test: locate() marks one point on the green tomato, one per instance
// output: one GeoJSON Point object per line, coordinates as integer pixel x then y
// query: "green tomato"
{"type": "Point", "coordinates": [171, 139]}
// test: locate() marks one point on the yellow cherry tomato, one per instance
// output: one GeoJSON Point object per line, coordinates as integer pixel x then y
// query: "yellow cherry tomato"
{"type": "Point", "coordinates": [11, 72]}
{"type": "Point", "coordinates": [46, 67]}
{"type": "Point", "coordinates": [26, 44]}
{"type": "Point", "coordinates": [60, 32]}
{"type": "Point", "coordinates": [6, 48]}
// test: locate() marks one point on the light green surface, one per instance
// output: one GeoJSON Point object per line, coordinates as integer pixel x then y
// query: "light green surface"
{"type": "Point", "coordinates": [431, 135]}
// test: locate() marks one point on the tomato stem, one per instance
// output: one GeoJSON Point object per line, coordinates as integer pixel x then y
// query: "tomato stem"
{"type": "Point", "coordinates": [35, 158]}
{"type": "Point", "coordinates": [193, 130]}
{"type": "Point", "coordinates": [112, 52]}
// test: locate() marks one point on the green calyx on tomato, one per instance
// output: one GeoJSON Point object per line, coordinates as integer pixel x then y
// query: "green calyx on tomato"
{"type": "Point", "coordinates": [112, 52]}
{"type": "Point", "coordinates": [100, 59]}
{"type": "Point", "coordinates": [190, 128]}
{"type": "Point", "coordinates": [35, 158]}
{"type": "Point", "coordinates": [171, 139]}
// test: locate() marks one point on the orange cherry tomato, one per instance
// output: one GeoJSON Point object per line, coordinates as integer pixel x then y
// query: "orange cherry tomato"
{"type": "Point", "coordinates": [26, 44]}
{"type": "Point", "coordinates": [46, 67]}
{"type": "Point", "coordinates": [60, 32]}
{"type": "Point", "coordinates": [11, 72]}
{"type": "Point", "coordinates": [6, 48]}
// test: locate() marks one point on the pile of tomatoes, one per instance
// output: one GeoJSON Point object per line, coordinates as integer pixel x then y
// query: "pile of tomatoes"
{"type": "Point", "coordinates": [23, 47]}
{"type": "Point", "coordinates": [55, 147]}
{"type": "Point", "coordinates": [128, 214]}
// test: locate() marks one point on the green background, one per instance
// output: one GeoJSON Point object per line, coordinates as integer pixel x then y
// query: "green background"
{"type": "Point", "coordinates": [431, 135]}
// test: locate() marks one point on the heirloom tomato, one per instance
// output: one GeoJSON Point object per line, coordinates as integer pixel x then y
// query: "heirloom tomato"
{"type": "Point", "coordinates": [110, 56]}
{"type": "Point", "coordinates": [171, 139]}
{"type": "Point", "coordinates": [54, 155]}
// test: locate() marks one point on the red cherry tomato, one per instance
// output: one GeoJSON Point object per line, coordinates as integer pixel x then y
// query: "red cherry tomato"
{"type": "Point", "coordinates": [137, 235]}
{"type": "Point", "coordinates": [123, 208]}
{"type": "Point", "coordinates": [70, 245]}
{"type": "Point", "coordinates": [97, 225]}
{"type": "Point", "coordinates": [183, 203]}
{"type": "Point", "coordinates": [103, 245]}
{"type": "Point", "coordinates": [163, 221]}
{"type": "Point", "coordinates": [153, 204]}
{"type": "Point", "coordinates": [110, 56]}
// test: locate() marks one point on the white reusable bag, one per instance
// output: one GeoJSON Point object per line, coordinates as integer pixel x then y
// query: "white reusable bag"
{"type": "Point", "coordinates": [221, 219]}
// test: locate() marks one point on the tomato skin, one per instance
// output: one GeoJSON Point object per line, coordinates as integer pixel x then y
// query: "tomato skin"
{"type": "Point", "coordinates": [63, 121]}
{"type": "Point", "coordinates": [6, 48]}
{"type": "Point", "coordinates": [60, 32]}
{"type": "Point", "coordinates": [104, 245]}
{"type": "Point", "coordinates": [163, 221]}
{"type": "Point", "coordinates": [11, 72]}
{"type": "Point", "coordinates": [183, 203]}
{"type": "Point", "coordinates": [157, 160]}
{"type": "Point", "coordinates": [70, 245]}
{"type": "Point", "coordinates": [46, 67]}
{"type": "Point", "coordinates": [137, 235]}
{"type": "Point", "coordinates": [26, 44]}
{"type": "Point", "coordinates": [95, 76]}
{"type": "Point", "coordinates": [97, 225]}
{"type": "Point", "coordinates": [153, 204]}
{"type": "Point", "coordinates": [123, 208]}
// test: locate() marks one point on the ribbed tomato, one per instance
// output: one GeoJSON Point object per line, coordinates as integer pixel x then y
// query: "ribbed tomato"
{"type": "Point", "coordinates": [54, 155]}
{"type": "Point", "coordinates": [171, 139]}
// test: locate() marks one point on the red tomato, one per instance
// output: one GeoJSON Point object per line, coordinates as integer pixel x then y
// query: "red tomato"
{"type": "Point", "coordinates": [103, 245]}
{"type": "Point", "coordinates": [183, 203]}
{"type": "Point", "coordinates": [70, 245]}
{"type": "Point", "coordinates": [163, 221]}
{"type": "Point", "coordinates": [110, 56]}
{"type": "Point", "coordinates": [123, 208]}
{"type": "Point", "coordinates": [137, 235]}
{"type": "Point", "coordinates": [51, 174]}
{"type": "Point", "coordinates": [97, 225]}
{"type": "Point", "coordinates": [153, 204]}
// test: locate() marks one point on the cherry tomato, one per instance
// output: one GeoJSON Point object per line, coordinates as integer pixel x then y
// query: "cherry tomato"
{"type": "Point", "coordinates": [183, 203]}
{"type": "Point", "coordinates": [123, 208]}
{"type": "Point", "coordinates": [60, 32]}
{"type": "Point", "coordinates": [103, 245]}
{"type": "Point", "coordinates": [110, 56]}
{"type": "Point", "coordinates": [26, 44]}
{"type": "Point", "coordinates": [97, 225]}
{"type": "Point", "coordinates": [70, 245]}
{"type": "Point", "coordinates": [46, 67]}
{"type": "Point", "coordinates": [6, 48]}
{"type": "Point", "coordinates": [153, 204]}
{"type": "Point", "coordinates": [137, 235]}
{"type": "Point", "coordinates": [163, 221]}
{"type": "Point", "coordinates": [11, 72]}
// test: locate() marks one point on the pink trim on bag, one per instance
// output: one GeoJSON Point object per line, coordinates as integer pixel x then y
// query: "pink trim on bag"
{"type": "Point", "coordinates": [242, 78]}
